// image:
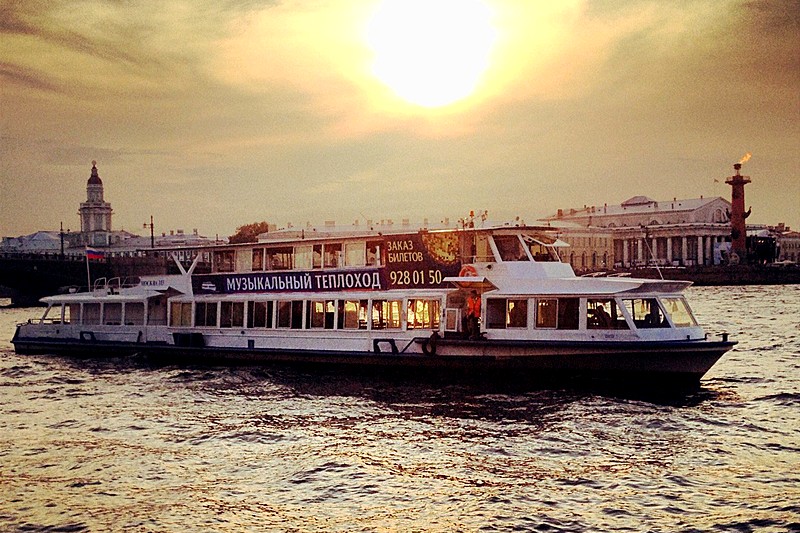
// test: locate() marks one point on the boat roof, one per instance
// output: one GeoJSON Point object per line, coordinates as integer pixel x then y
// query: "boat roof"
{"type": "Point", "coordinates": [92, 297]}
{"type": "Point", "coordinates": [313, 234]}
{"type": "Point", "coordinates": [588, 286]}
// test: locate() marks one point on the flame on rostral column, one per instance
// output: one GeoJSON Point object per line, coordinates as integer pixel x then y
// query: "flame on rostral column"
{"type": "Point", "coordinates": [745, 158]}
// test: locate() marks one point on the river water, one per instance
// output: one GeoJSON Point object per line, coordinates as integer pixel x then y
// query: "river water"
{"type": "Point", "coordinates": [119, 444]}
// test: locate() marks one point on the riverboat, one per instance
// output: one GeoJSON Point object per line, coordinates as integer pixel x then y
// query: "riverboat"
{"type": "Point", "coordinates": [392, 301]}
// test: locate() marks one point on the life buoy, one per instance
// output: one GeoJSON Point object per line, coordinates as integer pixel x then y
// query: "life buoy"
{"type": "Point", "coordinates": [429, 344]}
{"type": "Point", "coordinates": [468, 271]}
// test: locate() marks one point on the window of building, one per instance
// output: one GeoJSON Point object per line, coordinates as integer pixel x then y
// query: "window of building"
{"type": "Point", "coordinates": [423, 314]}
{"type": "Point", "coordinates": [352, 314]}
{"type": "Point", "coordinates": [259, 314]}
{"type": "Point", "coordinates": [205, 314]}
{"type": "Point", "coordinates": [604, 313]}
{"type": "Point", "coordinates": [386, 314]}
{"type": "Point", "coordinates": [231, 315]}
{"type": "Point", "coordinates": [646, 313]}
{"type": "Point", "coordinates": [679, 312]}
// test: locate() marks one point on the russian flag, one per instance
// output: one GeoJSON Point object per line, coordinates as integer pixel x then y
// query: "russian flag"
{"type": "Point", "coordinates": [93, 254]}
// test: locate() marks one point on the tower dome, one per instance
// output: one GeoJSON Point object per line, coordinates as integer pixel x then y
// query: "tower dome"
{"type": "Point", "coordinates": [94, 179]}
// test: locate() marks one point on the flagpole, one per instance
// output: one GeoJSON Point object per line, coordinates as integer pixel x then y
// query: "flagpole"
{"type": "Point", "coordinates": [88, 276]}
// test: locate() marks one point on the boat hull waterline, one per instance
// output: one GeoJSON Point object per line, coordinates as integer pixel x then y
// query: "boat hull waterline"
{"type": "Point", "coordinates": [684, 361]}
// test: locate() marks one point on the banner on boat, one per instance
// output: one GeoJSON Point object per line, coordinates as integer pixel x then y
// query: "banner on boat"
{"type": "Point", "coordinates": [305, 281]}
{"type": "Point", "coordinates": [421, 260]}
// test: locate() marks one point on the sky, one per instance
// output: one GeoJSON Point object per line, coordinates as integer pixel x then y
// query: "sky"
{"type": "Point", "coordinates": [212, 114]}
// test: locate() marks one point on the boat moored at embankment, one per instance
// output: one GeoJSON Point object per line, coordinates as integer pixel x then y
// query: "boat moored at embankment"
{"type": "Point", "coordinates": [393, 301]}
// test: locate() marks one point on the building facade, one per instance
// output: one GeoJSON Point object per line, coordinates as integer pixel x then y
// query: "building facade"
{"type": "Point", "coordinates": [643, 231]}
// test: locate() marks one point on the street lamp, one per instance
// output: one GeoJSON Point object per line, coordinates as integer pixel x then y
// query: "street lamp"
{"type": "Point", "coordinates": [152, 236]}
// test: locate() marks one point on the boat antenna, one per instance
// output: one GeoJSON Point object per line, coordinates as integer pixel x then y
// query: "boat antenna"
{"type": "Point", "coordinates": [652, 255]}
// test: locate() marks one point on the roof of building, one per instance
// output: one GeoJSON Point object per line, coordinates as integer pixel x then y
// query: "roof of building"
{"type": "Point", "coordinates": [636, 205]}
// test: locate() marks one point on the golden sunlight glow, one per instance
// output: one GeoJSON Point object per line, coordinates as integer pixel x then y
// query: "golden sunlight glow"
{"type": "Point", "coordinates": [431, 53]}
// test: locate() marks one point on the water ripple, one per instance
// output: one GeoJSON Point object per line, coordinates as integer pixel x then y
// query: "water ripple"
{"type": "Point", "coordinates": [122, 444]}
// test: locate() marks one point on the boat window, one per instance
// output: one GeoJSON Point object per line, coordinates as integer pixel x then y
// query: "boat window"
{"type": "Point", "coordinates": [646, 313]}
{"type": "Point", "coordinates": [157, 311]}
{"type": "Point", "coordinates": [297, 314]}
{"type": "Point", "coordinates": [559, 313]}
{"type": "Point", "coordinates": [386, 314]}
{"type": "Point", "coordinates": [496, 313]}
{"type": "Point", "coordinates": [284, 314]}
{"type": "Point", "coordinates": [180, 313]}
{"type": "Point", "coordinates": [568, 313]}
{"type": "Point", "coordinates": [679, 312]}
{"type": "Point", "coordinates": [224, 261]}
{"type": "Point", "coordinates": [205, 314]}
{"type": "Point", "coordinates": [112, 313]}
{"type": "Point", "coordinates": [373, 253]}
{"type": "Point", "coordinates": [474, 248]}
{"type": "Point", "coordinates": [304, 257]}
{"type": "Point", "coordinates": [91, 313]}
{"type": "Point", "coordinates": [72, 314]}
{"type": "Point", "coordinates": [258, 259]}
{"type": "Point", "coordinates": [355, 254]}
{"type": "Point", "coordinates": [604, 314]}
{"type": "Point", "coordinates": [546, 312]}
{"type": "Point", "coordinates": [279, 258]}
{"type": "Point", "coordinates": [317, 260]}
{"type": "Point", "coordinates": [510, 248]}
{"type": "Point", "coordinates": [134, 314]}
{"type": "Point", "coordinates": [320, 314]}
{"type": "Point", "coordinates": [331, 255]}
{"type": "Point", "coordinates": [259, 314]}
{"type": "Point", "coordinates": [231, 315]}
{"type": "Point", "coordinates": [352, 314]}
{"type": "Point", "coordinates": [517, 313]}
{"type": "Point", "coordinates": [423, 314]}
{"type": "Point", "coordinates": [483, 252]}
{"type": "Point", "coordinates": [49, 312]}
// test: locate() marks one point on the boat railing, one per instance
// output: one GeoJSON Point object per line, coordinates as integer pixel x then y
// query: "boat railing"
{"type": "Point", "coordinates": [114, 284]}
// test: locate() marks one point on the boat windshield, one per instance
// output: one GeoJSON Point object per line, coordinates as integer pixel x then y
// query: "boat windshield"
{"type": "Point", "coordinates": [542, 249]}
{"type": "Point", "coordinates": [678, 310]}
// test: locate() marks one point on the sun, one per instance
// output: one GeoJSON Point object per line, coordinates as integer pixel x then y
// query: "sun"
{"type": "Point", "coordinates": [431, 53]}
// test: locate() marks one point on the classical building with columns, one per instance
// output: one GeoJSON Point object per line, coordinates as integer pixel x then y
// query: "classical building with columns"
{"type": "Point", "coordinates": [643, 231]}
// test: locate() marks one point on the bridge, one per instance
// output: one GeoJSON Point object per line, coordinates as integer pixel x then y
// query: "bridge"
{"type": "Point", "coordinates": [29, 277]}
